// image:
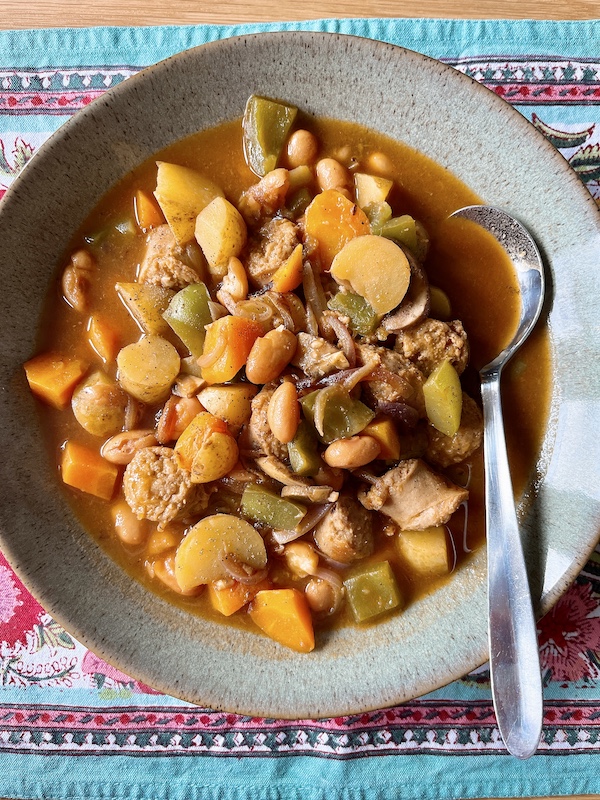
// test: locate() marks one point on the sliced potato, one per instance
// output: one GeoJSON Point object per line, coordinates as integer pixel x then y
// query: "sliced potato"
{"type": "Point", "coordinates": [443, 398]}
{"type": "Point", "coordinates": [221, 233]}
{"type": "Point", "coordinates": [206, 448]}
{"type": "Point", "coordinates": [146, 303]}
{"type": "Point", "coordinates": [371, 189]}
{"type": "Point", "coordinates": [426, 551]}
{"type": "Point", "coordinates": [147, 368]}
{"type": "Point", "coordinates": [376, 269]}
{"type": "Point", "coordinates": [231, 403]}
{"type": "Point", "coordinates": [182, 193]}
{"type": "Point", "coordinates": [199, 556]}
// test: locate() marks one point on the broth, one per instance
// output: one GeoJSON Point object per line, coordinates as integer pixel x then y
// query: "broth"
{"type": "Point", "coordinates": [464, 261]}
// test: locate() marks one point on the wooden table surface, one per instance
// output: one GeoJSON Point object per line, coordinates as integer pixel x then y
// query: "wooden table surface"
{"type": "Point", "coordinates": [69, 13]}
{"type": "Point", "coordinates": [14, 14]}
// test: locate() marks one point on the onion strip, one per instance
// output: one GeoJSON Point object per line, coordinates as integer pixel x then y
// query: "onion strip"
{"type": "Point", "coordinates": [207, 360]}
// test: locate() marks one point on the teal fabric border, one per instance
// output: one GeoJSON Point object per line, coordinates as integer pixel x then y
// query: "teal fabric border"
{"type": "Point", "coordinates": [436, 37]}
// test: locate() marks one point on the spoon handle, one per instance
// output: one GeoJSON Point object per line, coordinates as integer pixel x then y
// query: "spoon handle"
{"type": "Point", "coordinates": [514, 652]}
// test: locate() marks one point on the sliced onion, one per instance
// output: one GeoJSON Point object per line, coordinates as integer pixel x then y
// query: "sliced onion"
{"type": "Point", "coordinates": [255, 308]}
{"type": "Point", "coordinates": [243, 573]}
{"type": "Point", "coordinates": [227, 300]}
{"type": "Point", "coordinates": [315, 514]}
{"type": "Point", "coordinates": [344, 337]}
{"type": "Point", "coordinates": [285, 537]}
{"type": "Point", "coordinates": [280, 304]}
{"type": "Point", "coordinates": [312, 326]}
{"type": "Point", "coordinates": [397, 382]}
{"type": "Point", "coordinates": [400, 412]}
{"type": "Point", "coordinates": [216, 310]}
{"type": "Point", "coordinates": [313, 289]}
{"type": "Point", "coordinates": [208, 359]}
{"type": "Point", "coordinates": [329, 576]}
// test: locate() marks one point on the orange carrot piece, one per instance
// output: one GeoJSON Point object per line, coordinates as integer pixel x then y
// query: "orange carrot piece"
{"type": "Point", "coordinates": [289, 275]}
{"type": "Point", "coordinates": [229, 599]}
{"type": "Point", "coordinates": [53, 377]}
{"type": "Point", "coordinates": [85, 469]}
{"type": "Point", "coordinates": [333, 220]}
{"type": "Point", "coordinates": [103, 338]}
{"type": "Point", "coordinates": [284, 615]}
{"type": "Point", "coordinates": [234, 336]}
{"type": "Point", "coordinates": [147, 213]}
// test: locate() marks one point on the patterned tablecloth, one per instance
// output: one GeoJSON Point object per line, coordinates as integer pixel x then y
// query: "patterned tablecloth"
{"type": "Point", "coordinates": [72, 726]}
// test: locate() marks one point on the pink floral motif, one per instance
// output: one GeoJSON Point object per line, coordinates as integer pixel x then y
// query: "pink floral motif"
{"type": "Point", "coordinates": [568, 633]}
{"type": "Point", "coordinates": [18, 610]}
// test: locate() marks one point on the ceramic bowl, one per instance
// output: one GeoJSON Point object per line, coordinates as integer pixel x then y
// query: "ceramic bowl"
{"type": "Point", "coordinates": [451, 119]}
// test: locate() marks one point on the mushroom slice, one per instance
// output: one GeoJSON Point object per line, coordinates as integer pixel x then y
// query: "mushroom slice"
{"type": "Point", "coordinates": [277, 470]}
{"type": "Point", "coordinates": [311, 494]}
{"type": "Point", "coordinates": [415, 305]}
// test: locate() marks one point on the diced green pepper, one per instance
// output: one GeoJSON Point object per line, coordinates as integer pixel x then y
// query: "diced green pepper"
{"type": "Point", "coordinates": [299, 202]}
{"type": "Point", "coordinates": [262, 505]}
{"type": "Point", "coordinates": [443, 398]}
{"type": "Point", "coordinates": [188, 313]}
{"type": "Point", "coordinates": [378, 214]}
{"type": "Point", "coordinates": [363, 319]}
{"type": "Point", "coordinates": [304, 456]}
{"type": "Point", "coordinates": [372, 591]}
{"type": "Point", "coordinates": [265, 127]}
{"type": "Point", "coordinates": [343, 416]}
{"type": "Point", "coordinates": [401, 229]}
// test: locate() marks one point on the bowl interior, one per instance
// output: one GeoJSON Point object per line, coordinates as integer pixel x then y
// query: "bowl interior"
{"type": "Point", "coordinates": [460, 125]}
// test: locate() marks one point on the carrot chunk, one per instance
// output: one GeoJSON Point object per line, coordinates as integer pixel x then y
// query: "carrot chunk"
{"type": "Point", "coordinates": [229, 599]}
{"type": "Point", "coordinates": [53, 377]}
{"type": "Point", "coordinates": [226, 347]}
{"type": "Point", "coordinates": [147, 213]}
{"type": "Point", "coordinates": [289, 275]}
{"type": "Point", "coordinates": [103, 338]}
{"type": "Point", "coordinates": [284, 615]}
{"type": "Point", "coordinates": [85, 469]}
{"type": "Point", "coordinates": [333, 220]}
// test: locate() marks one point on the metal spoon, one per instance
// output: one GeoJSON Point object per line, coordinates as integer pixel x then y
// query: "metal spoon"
{"type": "Point", "coordinates": [514, 652]}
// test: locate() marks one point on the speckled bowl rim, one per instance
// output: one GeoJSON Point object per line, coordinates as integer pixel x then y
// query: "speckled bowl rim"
{"type": "Point", "coordinates": [444, 636]}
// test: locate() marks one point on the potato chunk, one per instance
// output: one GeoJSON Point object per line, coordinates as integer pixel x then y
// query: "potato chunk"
{"type": "Point", "coordinates": [376, 269]}
{"type": "Point", "coordinates": [182, 193]}
{"type": "Point", "coordinates": [221, 233]}
{"type": "Point", "coordinates": [199, 558]}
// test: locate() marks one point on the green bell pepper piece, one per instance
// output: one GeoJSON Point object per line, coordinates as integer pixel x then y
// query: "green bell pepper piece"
{"type": "Point", "coordinates": [265, 128]}
{"type": "Point", "coordinates": [262, 505]}
{"type": "Point", "coordinates": [344, 416]}
{"type": "Point", "coordinates": [363, 319]}
{"type": "Point", "coordinates": [372, 591]}
{"type": "Point", "coordinates": [401, 229]}
{"type": "Point", "coordinates": [378, 214]}
{"type": "Point", "coordinates": [303, 452]}
{"type": "Point", "coordinates": [187, 314]}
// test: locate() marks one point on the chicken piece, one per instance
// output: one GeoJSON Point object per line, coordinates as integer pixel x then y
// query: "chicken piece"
{"type": "Point", "coordinates": [445, 450]}
{"type": "Point", "coordinates": [433, 341]}
{"type": "Point", "coordinates": [414, 496]}
{"type": "Point", "coordinates": [269, 249]}
{"type": "Point", "coordinates": [156, 488]}
{"type": "Point", "coordinates": [317, 357]}
{"type": "Point", "coordinates": [409, 389]}
{"type": "Point", "coordinates": [266, 197]}
{"type": "Point", "coordinates": [162, 264]}
{"type": "Point", "coordinates": [258, 433]}
{"type": "Point", "coordinates": [345, 534]}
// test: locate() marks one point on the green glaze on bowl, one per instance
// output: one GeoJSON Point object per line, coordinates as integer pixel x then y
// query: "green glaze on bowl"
{"type": "Point", "coordinates": [451, 119]}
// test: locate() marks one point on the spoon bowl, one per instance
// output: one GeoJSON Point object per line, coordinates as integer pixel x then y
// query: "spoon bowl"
{"type": "Point", "coordinates": [514, 652]}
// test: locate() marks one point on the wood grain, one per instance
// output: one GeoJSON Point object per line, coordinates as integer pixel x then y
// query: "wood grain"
{"type": "Point", "coordinates": [75, 13]}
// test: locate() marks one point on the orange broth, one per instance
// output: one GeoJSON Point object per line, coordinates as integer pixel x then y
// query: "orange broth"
{"type": "Point", "coordinates": [464, 261]}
